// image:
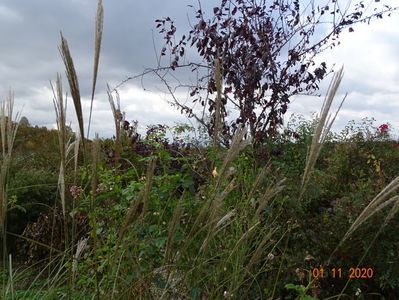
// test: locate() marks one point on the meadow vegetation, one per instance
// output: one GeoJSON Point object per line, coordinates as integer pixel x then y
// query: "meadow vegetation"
{"type": "Point", "coordinates": [185, 218]}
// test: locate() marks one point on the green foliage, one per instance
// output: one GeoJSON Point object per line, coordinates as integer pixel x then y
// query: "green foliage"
{"type": "Point", "coordinates": [228, 234]}
{"type": "Point", "coordinates": [33, 191]}
{"type": "Point", "coordinates": [301, 291]}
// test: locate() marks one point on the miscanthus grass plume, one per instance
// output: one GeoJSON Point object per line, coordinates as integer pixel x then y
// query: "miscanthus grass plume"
{"type": "Point", "coordinates": [8, 131]}
{"type": "Point", "coordinates": [322, 128]}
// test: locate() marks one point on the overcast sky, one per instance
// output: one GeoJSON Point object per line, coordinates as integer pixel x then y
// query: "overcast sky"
{"type": "Point", "coordinates": [29, 59]}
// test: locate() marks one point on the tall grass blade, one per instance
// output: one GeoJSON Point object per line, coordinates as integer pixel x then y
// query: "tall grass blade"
{"type": "Point", "coordinates": [76, 156]}
{"type": "Point", "coordinates": [94, 175]}
{"type": "Point", "coordinates": [118, 118]}
{"type": "Point", "coordinates": [8, 131]}
{"type": "Point", "coordinates": [148, 184]}
{"type": "Point", "coordinates": [262, 246]}
{"type": "Point", "coordinates": [218, 80]}
{"type": "Point", "coordinates": [97, 48]}
{"type": "Point", "coordinates": [10, 272]}
{"type": "Point", "coordinates": [172, 230]}
{"type": "Point", "coordinates": [60, 111]}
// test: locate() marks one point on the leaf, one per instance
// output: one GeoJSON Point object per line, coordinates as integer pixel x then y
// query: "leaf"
{"type": "Point", "coordinates": [160, 242]}
{"type": "Point", "coordinates": [234, 11]}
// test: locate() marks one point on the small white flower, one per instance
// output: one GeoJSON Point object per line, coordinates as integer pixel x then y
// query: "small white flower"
{"type": "Point", "coordinates": [227, 295]}
{"type": "Point", "coordinates": [270, 256]}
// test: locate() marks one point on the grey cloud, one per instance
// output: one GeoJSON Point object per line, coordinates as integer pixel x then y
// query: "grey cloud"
{"type": "Point", "coordinates": [29, 58]}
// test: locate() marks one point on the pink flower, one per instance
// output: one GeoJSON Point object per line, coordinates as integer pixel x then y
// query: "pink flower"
{"type": "Point", "coordinates": [76, 191]}
{"type": "Point", "coordinates": [383, 128]}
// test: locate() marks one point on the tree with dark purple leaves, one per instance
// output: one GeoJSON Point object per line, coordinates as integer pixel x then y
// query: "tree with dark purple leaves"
{"type": "Point", "coordinates": [268, 52]}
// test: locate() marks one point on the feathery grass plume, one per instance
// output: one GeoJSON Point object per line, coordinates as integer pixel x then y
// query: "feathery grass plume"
{"type": "Point", "coordinates": [97, 48]}
{"type": "Point", "coordinates": [73, 83]}
{"type": "Point", "coordinates": [118, 118]}
{"type": "Point", "coordinates": [215, 212]}
{"type": "Point", "coordinates": [246, 235]}
{"type": "Point", "coordinates": [238, 143]}
{"type": "Point", "coordinates": [236, 146]}
{"type": "Point", "coordinates": [65, 147]}
{"type": "Point", "coordinates": [258, 179]}
{"type": "Point", "coordinates": [271, 191]}
{"type": "Point", "coordinates": [321, 129]}
{"type": "Point", "coordinates": [378, 203]}
{"type": "Point", "coordinates": [218, 100]}
{"type": "Point", "coordinates": [262, 246]}
{"type": "Point", "coordinates": [8, 130]}
{"type": "Point", "coordinates": [60, 111]}
{"type": "Point", "coordinates": [80, 247]}
{"type": "Point", "coordinates": [226, 219]}
{"type": "Point", "coordinates": [391, 214]}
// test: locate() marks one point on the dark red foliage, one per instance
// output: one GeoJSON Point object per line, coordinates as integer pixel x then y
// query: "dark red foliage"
{"type": "Point", "coordinates": [268, 51]}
